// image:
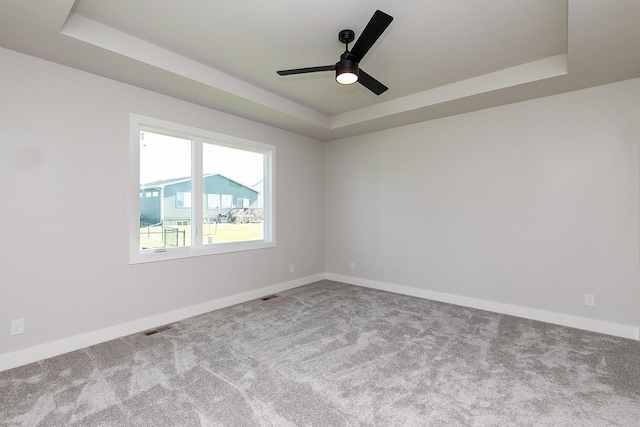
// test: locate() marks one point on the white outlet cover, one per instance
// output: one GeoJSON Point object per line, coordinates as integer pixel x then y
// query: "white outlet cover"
{"type": "Point", "coordinates": [17, 327]}
{"type": "Point", "coordinates": [590, 300]}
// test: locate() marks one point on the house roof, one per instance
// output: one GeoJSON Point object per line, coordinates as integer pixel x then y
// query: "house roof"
{"type": "Point", "coordinates": [438, 57]}
{"type": "Point", "coordinates": [166, 182]}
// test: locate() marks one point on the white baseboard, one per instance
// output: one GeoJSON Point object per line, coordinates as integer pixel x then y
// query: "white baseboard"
{"type": "Point", "coordinates": [55, 348]}
{"type": "Point", "coordinates": [65, 345]}
{"type": "Point", "coordinates": [593, 325]}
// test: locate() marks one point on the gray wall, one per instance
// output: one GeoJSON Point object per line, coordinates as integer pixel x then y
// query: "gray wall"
{"type": "Point", "coordinates": [531, 204]}
{"type": "Point", "coordinates": [66, 273]}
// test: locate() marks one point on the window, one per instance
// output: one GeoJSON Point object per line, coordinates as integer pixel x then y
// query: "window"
{"type": "Point", "coordinates": [179, 162]}
{"type": "Point", "coordinates": [213, 201]}
{"type": "Point", "coordinates": [183, 200]}
{"type": "Point", "coordinates": [227, 201]}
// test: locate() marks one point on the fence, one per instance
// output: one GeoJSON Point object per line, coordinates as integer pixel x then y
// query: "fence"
{"type": "Point", "coordinates": [172, 236]}
{"type": "Point", "coordinates": [168, 236]}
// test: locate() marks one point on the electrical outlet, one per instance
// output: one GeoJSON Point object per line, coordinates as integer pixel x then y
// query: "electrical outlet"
{"type": "Point", "coordinates": [590, 300]}
{"type": "Point", "coordinates": [17, 327]}
{"type": "Point", "coordinates": [353, 265]}
{"type": "Point", "coordinates": [292, 268]}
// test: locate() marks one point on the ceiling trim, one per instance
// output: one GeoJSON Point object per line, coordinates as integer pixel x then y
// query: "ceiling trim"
{"type": "Point", "coordinates": [103, 36]}
{"type": "Point", "coordinates": [601, 48]}
{"type": "Point", "coordinates": [526, 73]}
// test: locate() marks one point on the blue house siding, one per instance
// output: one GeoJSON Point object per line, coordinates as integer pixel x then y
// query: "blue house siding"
{"type": "Point", "coordinates": [150, 209]}
{"type": "Point", "coordinates": [218, 185]}
{"type": "Point", "coordinates": [220, 196]}
{"type": "Point", "coordinates": [174, 211]}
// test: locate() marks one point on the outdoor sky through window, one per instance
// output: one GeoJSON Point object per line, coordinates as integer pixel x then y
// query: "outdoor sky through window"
{"type": "Point", "coordinates": [167, 157]}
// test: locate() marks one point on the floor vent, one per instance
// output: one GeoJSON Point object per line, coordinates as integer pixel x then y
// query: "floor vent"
{"type": "Point", "coordinates": [268, 297]}
{"type": "Point", "coordinates": [156, 330]}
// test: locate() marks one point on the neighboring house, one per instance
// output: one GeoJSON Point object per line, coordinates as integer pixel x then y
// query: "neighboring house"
{"type": "Point", "coordinates": [169, 201]}
{"type": "Point", "coordinates": [259, 187]}
{"type": "Point", "coordinates": [150, 205]}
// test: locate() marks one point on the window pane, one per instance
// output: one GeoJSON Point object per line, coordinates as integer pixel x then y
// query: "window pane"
{"type": "Point", "coordinates": [200, 193]}
{"type": "Point", "coordinates": [229, 175]}
{"type": "Point", "coordinates": [213, 201]}
{"type": "Point", "coordinates": [165, 178]}
{"type": "Point", "coordinates": [183, 200]}
{"type": "Point", "coordinates": [227, 201]}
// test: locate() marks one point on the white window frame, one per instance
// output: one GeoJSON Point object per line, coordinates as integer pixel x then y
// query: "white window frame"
{"type": "Point", "coordinates": [198, 137]}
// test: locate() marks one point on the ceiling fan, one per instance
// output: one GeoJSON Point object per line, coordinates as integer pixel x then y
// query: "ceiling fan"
{"type": "Point", "coordinates": [347, 69]}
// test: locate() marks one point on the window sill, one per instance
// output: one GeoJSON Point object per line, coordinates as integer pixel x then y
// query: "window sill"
{"type": "Point", "coordinates": [165, 254]}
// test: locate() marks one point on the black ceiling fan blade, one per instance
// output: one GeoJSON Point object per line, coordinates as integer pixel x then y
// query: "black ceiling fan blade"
{"type": "Point", "coordinates": [371, 33]}
{"type": "Point", "coordinates": [307, 70]}
{"type": "Point", "coordinates": [370, 83]}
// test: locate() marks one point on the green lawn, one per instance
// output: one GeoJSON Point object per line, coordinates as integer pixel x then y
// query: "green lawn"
{"type": "Point", "coordinates": [151, 237]}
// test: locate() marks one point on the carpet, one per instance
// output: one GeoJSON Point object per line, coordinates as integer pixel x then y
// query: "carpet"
{"type": "Point", "coordinates": [331, 354]}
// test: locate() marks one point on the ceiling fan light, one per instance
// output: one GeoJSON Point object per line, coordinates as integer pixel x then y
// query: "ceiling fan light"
{"type": "Point", "coordinates": [346, 72]}
{"type": "Point", "coordinates": [347, 78]}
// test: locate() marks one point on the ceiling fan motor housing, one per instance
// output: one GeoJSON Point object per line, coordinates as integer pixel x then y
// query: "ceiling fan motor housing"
{"type": "Point", "coordinates": [346, 36]}
{"type": "Point", "coordinates": [346, 65]}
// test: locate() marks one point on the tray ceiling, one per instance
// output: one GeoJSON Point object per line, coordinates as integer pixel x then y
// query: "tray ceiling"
{"type": "Point", "coordinates": [438, 57]}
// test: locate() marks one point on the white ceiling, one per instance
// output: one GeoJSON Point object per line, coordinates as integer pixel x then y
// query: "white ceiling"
{"type": "Point", "coordinates": [438, 57]}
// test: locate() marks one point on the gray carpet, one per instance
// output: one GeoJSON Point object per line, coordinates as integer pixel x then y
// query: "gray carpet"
{"type": "Point", "coordinates": [329, 354]}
